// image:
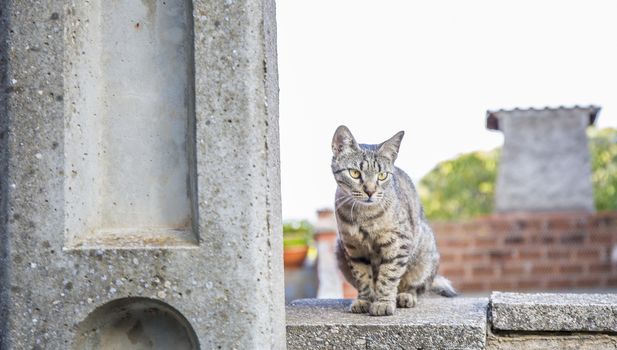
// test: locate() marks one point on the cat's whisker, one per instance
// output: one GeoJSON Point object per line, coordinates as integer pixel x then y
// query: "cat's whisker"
{"type": "Point", "coordinates": [345, 202]}
{"type": "Point", "coordinates": [351, 212]}
{"type": "Point", "coordinates": [339, 199]}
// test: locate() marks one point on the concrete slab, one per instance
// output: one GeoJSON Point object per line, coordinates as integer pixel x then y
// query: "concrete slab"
{"type": "Point", "coordinates": [436, 323]}
{"type": "Point", "coordinates": [554, 312]}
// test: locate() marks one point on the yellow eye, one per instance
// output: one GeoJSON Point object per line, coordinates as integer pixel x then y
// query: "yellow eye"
{"type": "Point", "coordinates": [354, 173]}
{"type": "Point", "coordinates": [382, 176]}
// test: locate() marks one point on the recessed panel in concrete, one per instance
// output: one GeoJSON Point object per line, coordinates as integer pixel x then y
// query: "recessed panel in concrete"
{"type": "Point", "coordinates": [130, 125]}
{"type": "Point", "coordinates": [135, 323]}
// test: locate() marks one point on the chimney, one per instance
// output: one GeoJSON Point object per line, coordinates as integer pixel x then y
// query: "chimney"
{"type": "Point", "coordinates": [545, 164]}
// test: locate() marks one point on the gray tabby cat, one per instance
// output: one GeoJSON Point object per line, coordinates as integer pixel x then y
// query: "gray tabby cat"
{"type": "Point", "coordinates": [386, 248]}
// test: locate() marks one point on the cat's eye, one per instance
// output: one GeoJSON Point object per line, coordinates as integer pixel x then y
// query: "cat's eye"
{"type": "Point", "coordinates": [382, 176]}
{"type": "Point", "coordinates": [354, 173]}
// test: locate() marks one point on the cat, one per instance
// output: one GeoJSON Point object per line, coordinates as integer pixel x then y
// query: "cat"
{"type": "Point", "coordinates": [386, 248]}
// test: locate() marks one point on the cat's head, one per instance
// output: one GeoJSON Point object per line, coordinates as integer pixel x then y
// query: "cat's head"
{"type": "Point", "coordinates": [363, 172]}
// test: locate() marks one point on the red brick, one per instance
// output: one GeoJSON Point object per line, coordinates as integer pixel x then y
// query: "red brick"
{"type": "Point", "coordinates": [601, 237]}
{"type": "Point", "coordinates": [588, 254]}
{"type": "Point", "coordinates": [449, 258]}
{"type": "Point", "coordinates": [571, 269]}
{"type": "Point", "coordinates": [502, 286]}
{"type": "Point", "coordinates": [543, 269]}
{"type": "Point", "coordinates": [589, 281]}
{"type": "Point", "coordinates": [602, 268]}
{"type": "Point", "coordinates": [529, 255]}
{"type": "Point", "coordinates": [560, 283]}
{"type": "Point", "coordinates": [562, 223]}
{"type": "Point", "coordinates": [471, 286]}
{"type": "Point", "coordinates": [512, 270]}
{"type": "Point", "coordinates": [474, 257]}
{"type": "Point", "coordinates": [608, 219]}
{"type": "Point", "coordinates": [574, 238]}
{"type": "Point", "coordinates": [482, 271]}
{"type": "Point", "coordinates": [514, 239]}
{"type": "Point", "coordinates": [499, 255]}
{"type": "Point", "coordinates": [454, 243]}
{"type": "Point", "coordinates": [544, 238]}
{"type": "Point", "coordinates": [452, 271]}
{"type": "Point", "coordinates": [531, 284]}
{"type": "Point", "coordinates": [558, 254]}
{"type": "Point", "coordinates": [486, 242]}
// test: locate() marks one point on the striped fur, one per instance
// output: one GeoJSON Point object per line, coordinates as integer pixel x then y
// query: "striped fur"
{"type": "Point", "coordinates": [386, 248]}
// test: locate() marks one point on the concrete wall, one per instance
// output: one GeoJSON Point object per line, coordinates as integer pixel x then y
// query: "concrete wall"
{"type": "Point", "coordinates": [222, 287]}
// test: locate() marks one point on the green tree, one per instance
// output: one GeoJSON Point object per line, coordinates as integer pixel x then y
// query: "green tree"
{"type": "Point", "coordinates": [603, 147]}
{"type": "Point", "coordinates": [464, 187]}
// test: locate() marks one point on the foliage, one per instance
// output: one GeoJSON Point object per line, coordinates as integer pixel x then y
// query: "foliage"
{"type": "Point", "coordinates": [297, 233]}
{"type": "Point", "coordinates": [603, 147]}
{"type": "Point", "coordinates": [464, 187]}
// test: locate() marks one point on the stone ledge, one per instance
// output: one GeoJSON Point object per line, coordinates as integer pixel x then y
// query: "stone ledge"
{"type": "Point", "coordinates": [510, 321]}
{"type": "Point", "coordinates": [544, 312]}
{"type": "Point", "coordinates": [436, 323]}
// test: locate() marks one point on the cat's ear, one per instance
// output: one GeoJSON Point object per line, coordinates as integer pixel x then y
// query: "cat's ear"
{"type": "Point", "coordinates": [343, 141]}
{"type": "Point", "coordinates": [389, 149]}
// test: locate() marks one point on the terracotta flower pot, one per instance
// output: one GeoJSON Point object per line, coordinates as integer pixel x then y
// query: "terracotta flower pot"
{"type": "Point", "coordinates": [294, 256]}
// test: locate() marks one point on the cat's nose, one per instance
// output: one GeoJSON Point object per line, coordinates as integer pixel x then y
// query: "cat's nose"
{"type": "Point", "coordinates": [369, 191]}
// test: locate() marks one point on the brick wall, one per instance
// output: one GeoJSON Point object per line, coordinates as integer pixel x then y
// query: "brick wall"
{"type": "Point", "coordinates": [539, 251]}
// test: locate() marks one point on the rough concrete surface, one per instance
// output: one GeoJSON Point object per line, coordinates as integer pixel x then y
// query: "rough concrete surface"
{"type": "Point", "coordinates": [541, 312]}
{"type": "Point", "coordinates": [129, 100]}
{"type": "Point", "coordinates": [435, 323]}
{"type": "Point", "coordinates": [551, 341]}
{"type": "Point", "coordinates": [229, 287]}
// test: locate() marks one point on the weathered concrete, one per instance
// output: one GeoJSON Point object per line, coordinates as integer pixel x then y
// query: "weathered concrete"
{"type": "Point", "coordinates": [136, 323]}
{"type": "Point", "coordinates": [129, 75]}
{"type": "Point", "coordinates": [436, 323]}
{"type": "Point", "coordinates": [229, 284]}
{"type": "Point", "coordinates": [545, 164]}
{"type": "Point", "coordinates": [460, 323]}
{"type": "Point", "coordinates": [553, 312]}
{"type": "Point", "coordinates": [580, 341]}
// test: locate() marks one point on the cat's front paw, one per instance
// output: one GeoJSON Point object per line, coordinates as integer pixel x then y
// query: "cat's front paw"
{"type": "Point", "coordinates": [360, 306]}
{"type": "Point", "coordinates": [406, 300]}
{"type": "Point", "coordinates": [382, 308]}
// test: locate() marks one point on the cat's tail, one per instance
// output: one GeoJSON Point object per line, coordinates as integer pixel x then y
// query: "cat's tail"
{"type": "Point", "coordinates": [443, 287]}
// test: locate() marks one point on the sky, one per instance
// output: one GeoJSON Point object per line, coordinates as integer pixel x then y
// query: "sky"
{"type": "Point", "coordinates": [432, 69]}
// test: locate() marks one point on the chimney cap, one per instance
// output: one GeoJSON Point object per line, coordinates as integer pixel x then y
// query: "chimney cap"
{"type": "Point", "coordinates": [492, 120]}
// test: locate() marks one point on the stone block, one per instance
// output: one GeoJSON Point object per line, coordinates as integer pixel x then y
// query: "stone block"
{"type": "Point", "coordinates": [435, 323]}
{"type": "Point", "coordinates": [543, 312]}
{"type": "Point", "coordinates": [540, 341]}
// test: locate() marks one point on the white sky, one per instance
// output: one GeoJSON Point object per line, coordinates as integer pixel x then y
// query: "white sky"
{"type": "Point", "coordinates": [431, 68]}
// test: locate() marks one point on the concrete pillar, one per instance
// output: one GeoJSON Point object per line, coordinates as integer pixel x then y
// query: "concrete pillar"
{"type": "Point", "coordinates": [545, 164]}
{"type": "Point", "coordinates": [139, 175]}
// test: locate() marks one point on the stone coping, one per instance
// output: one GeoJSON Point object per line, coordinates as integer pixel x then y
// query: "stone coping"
{"type": "Point", "coordinates": [551, 312]}
{"type": "Point", "coordinates": [435, 323]}
{"type": "Point", "coordinates": [503, 321]}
